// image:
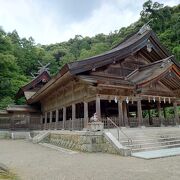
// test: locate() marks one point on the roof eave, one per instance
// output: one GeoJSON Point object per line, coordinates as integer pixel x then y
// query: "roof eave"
{"type": "Point", "coordinates": [45, 89]}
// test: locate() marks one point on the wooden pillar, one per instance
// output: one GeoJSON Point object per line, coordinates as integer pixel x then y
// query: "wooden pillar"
{"type": "Point", "coordinates": [139, 109]}
{"type": "Point", "coordinates": [41, 122]}
{"type": "Point", "coordinates": [86, 115]}
{"type": "Point", "coordinates": [159, 113]}
{"type": "Point", "coordinates": [73, 115]}
{"type": "Point", "coordinates": [41, 119]}
{"type": "Point", "coordinates": [176, 116]}
{"type": "Point", "coordinates": [57, 118]}
{"type": "Point", "coordinates": [125, 117]}
{"type": "Point", "coordinates": [64, 117]}
{"type": "Point", "coordinates": [149, 116]}
{"type": "Point", "coordinates": [12, 122]}
{"type": "Point", "coordinates": [45, 121]}
{"type": "Point", "coordinates": [98, 107]}
{"type": "Point", "coordinates": [120, 113]}
{"type": "Point", "coordinates": [28, 121]}
{"type": "Point", "coordinates": [50, 121]}
{"type": "Point", "coordinates": [164, 112]}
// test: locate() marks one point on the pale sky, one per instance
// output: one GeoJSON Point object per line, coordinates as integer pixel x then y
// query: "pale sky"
{"type": "Point", "coordinates": [51, 21]}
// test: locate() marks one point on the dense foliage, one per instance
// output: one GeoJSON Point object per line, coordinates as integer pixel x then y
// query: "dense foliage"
{"type": "Point", "coordinates": [19, 56]}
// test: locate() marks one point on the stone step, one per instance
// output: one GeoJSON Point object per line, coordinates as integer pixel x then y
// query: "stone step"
{"type": "Point", "coordinates": [144, 136]}
{"type": "Point", "coordinates": [138, 141]}
{"type": "Point", "coordinates": [147, 139]}
{"type": "Point", "coordinates": [155, 147]}
{"type": "Point", "coordinates": [139, 136]}
{"type": "Point", "coordinates": [153, 144]}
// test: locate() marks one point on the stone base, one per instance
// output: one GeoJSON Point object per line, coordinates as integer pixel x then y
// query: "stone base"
{"type": "Point", "coordinates": [95, 126]}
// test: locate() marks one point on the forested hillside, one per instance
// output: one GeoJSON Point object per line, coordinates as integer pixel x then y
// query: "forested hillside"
{"type": "Point", "coordinates": [19, 56]}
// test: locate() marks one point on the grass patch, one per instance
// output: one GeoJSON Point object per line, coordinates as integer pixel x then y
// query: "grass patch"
{"type": "Point", "coordinates": [8, 176]}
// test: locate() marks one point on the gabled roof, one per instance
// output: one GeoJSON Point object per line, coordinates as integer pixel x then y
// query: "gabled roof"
{"type": "Point", "coordinates": [129, 46]}
{"type": "Point", "coordinates": [33, 86]}
{"type": "Point", "coordinates": [163, 70]}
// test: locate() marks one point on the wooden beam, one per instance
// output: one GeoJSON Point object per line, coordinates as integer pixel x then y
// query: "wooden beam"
{"type": "Point", "coordinates": [116, 86]}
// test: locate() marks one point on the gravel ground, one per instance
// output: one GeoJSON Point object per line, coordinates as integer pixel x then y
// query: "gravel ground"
{"type": "Point", "coordinates": [36, 162]}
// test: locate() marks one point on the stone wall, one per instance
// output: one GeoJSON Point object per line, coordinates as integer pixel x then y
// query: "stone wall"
{"type": "Point", "coordinates": [109, 148]}
{"type": "Point", "coordinates": [5, 135]}
{"type": "Point", "coordinates": [81, 141]}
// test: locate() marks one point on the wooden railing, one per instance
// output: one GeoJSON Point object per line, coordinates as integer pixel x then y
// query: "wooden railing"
{"type": "Point", "coordinates": [133, 122]}
{"type": "Point", "coordinates": [78, 124]}
{"type": "Point", "coordinates": [170, 121]}
{"type": "Point", "coordinates": [145, 122]}
{"type": "Point", "coordinates": [52, 125]}
{"type": "Point", "coordinates": [5, 123]}
{"type": "Point", "coordinates": [156, 121]}
{"type": "Point", "coordinates": [68, 124]}
{"type": "Point", "coordinates": [59, 125]}
{"type": "Point", "coordinates": [108, 124]}
{"type": "Point", "coordinates": [34, 123]}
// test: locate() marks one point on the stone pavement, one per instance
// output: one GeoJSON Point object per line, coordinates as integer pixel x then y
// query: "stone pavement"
{"type": "Point", "coordinates": [36, 162]}
{"type": "Point", "coordinates": [157, 153]}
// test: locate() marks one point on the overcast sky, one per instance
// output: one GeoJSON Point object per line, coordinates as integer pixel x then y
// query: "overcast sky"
{"type": "Point", "coordinates": [51, 21]}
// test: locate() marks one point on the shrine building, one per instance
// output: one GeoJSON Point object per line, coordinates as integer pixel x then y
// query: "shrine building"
{"type": "Point", "coordinates": [126, 84]}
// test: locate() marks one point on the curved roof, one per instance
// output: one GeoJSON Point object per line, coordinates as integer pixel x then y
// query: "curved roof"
{"type": "Point", "coordinates": [129, 46]}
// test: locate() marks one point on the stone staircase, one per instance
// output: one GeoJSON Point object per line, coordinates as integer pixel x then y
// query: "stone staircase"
{"type": "Point", "coordinates": [149, 139]}
{"type": "Point", "coordinates": [39, 137]}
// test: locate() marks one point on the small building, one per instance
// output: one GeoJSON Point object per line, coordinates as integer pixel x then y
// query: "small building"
{"type": "Point", "coordinates": [25, 117]}
{"type": "Point", "coordinates": [126, 84]}
{"type": "Point", "coordinates": [18, 117]}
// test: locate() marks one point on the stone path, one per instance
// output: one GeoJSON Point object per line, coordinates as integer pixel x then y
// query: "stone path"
{"type": "Point", "coordinates": [36, 162]}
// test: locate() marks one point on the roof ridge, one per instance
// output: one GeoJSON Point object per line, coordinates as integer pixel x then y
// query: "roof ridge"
{"type": "Point", "coordinates": [114, 48]}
